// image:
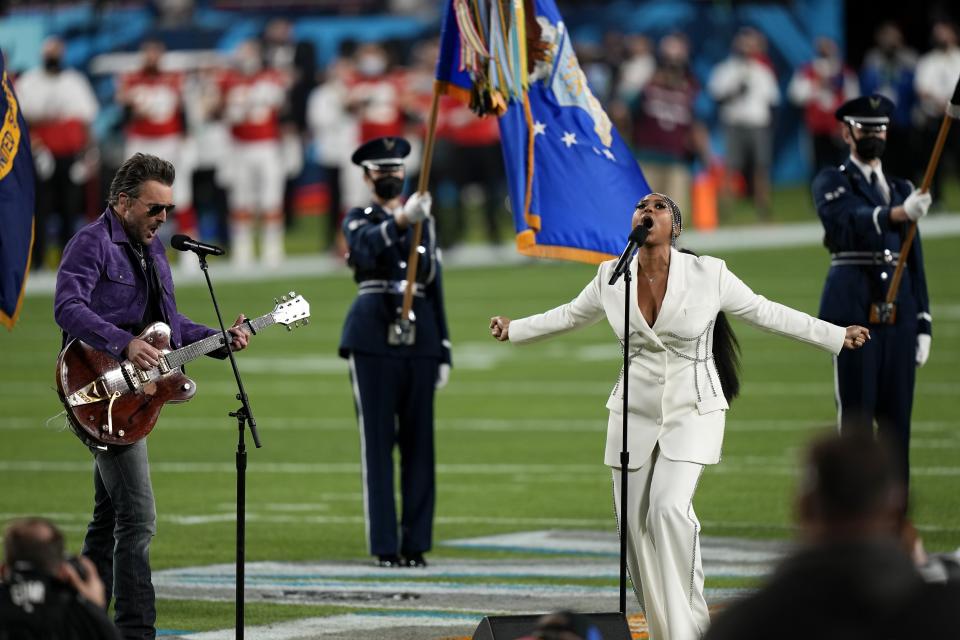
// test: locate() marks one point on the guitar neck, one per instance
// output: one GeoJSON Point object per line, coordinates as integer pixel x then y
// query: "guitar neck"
{"type": "Point", "coordinates": [182, 356]}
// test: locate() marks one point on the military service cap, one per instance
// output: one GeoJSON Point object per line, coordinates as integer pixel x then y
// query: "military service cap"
{"type": "Point", "coordinates": [381, 153]}
{"type": "Point", "coordinates": [870, 113]}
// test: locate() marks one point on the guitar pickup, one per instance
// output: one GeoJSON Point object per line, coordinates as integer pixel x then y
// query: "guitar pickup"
{"type": "Point", "coordinates": [164, 365]}
{"type": "Point", "coordinates": [144, 376]}
{"type": "Point", "coordinates": [132, 379]}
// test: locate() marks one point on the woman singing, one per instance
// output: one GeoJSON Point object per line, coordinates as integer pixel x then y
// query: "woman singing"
{"type": "Point", "coordinates": [682, 374]}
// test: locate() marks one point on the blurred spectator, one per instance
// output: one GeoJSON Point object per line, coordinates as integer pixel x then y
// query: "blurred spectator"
{"type": "Point", "coordinates": [664, 127]}
{"type": "Point", "coordinates": [850, 580]}
{"type": "Point", "coordinates": [336, 133]}
{"type": "Point", "coordinates": [58, 105]}
{"type": "Point", "coordinates": [375, 94]}
{"type": "Point", "coordinates": [937, 74]}
{"type": "Point", "coordinates": [382, 104]}
{"type": "Point", "coordinates": [210, 139]}
{"type": "Point", "coordinates": [819, 88]}
{"type": "Point", "coordinates": [279, 47]}
{"type": "Point", "coordinates": [155, 124]}
{"type": "Point", "coordinates": [746, 89]}
{"type": "Point", "coordinates": [252, 97]}
{"type": "Point", "coordinates": [888, 70]}
{"type": "Point", "coordinates": [477, 168]}
{"type": "Point", "coordinates": [44, 596]}
{"type": "Point", "coordinates": [296, 61]}
{"type": "Point", "coordinates": [637, 67]}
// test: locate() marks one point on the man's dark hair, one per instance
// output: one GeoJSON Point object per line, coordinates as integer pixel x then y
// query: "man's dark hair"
{"type": "Point", "coordinates": [139, 168]}
{"type": "Point", "coordinates": [850, 478]}
{"type": "Point", "coordinates": [36, 542]}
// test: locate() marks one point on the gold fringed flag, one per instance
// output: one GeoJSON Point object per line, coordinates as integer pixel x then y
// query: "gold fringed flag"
{"type": "Point", "coordinates": [572, 179]}
{"type": "Point", "coordinates": [16, 202]}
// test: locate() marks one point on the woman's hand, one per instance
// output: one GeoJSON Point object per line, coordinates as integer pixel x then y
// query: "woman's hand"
{"type": "Point", "coordinates": [500, 328]}
{"type": "Point", "coordinates": [856, 337]}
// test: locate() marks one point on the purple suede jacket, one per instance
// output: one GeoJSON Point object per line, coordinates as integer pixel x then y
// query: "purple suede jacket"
{"type": "Point", "coordinates": [101, 286]}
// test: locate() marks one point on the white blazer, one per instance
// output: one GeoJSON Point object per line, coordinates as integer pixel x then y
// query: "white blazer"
{"type": "Point", "coordinates": [675, 395]}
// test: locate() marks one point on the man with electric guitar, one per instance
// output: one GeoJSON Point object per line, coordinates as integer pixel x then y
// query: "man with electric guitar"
{"type": "Point", "coordinates": [114, 288]}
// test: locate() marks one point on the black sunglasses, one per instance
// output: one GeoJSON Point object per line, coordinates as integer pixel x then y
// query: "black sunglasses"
{"type": "Point", "coordinates": [154, 210]}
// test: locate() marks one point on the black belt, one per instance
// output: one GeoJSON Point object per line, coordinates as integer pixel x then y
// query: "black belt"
{"type": "Point", "coordinates": [864, 258]}
{"type": "Point", "coordinates": [389, 286]}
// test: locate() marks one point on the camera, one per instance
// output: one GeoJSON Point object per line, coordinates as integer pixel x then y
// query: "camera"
{"type": "Point", "coordinates": [74, 561]}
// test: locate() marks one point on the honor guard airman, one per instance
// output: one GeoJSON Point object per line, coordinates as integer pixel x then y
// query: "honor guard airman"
{"type": "Point", "coordinates": [394, 380]}
{"type": "Point", "coordinates": [865, 216]}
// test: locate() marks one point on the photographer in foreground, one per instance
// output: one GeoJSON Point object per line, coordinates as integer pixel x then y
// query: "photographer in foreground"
{"type": "Point", "coordinates": [43, 595]}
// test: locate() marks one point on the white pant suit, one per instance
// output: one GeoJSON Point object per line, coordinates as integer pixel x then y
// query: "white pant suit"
{"type": "Point", "coordinates": [676, 416]}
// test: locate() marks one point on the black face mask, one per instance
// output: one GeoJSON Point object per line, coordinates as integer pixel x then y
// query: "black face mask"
{"type": "Point", "coordinates": [51, 64]}
{"type": "Point", "coordinates": [870, 147]}
{"type": "Point", "coordinates": [388, 187]}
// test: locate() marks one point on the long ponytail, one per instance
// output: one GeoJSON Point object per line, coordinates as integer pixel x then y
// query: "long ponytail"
{"type": "Point", "coordinates": [726, 353]}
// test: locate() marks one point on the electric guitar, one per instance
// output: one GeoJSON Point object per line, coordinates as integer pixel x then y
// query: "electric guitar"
{"type": "Point", "coordinates": [117, 403]}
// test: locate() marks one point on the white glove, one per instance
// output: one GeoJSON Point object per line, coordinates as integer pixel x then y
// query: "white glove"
{"type": "Point", "coordinates": [923, 348]}
{"type": "Point", "coordinates": [443, 375]}
{"type": "Point", "coordinates": [917, 204]}
{"type": "Point", "coordinates": [417, 208]}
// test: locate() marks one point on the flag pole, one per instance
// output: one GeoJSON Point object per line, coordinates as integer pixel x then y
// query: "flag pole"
{"type": "Point", "coordinates": [886, 312]}
{"type": "Point", "coordinates": [423, 182]}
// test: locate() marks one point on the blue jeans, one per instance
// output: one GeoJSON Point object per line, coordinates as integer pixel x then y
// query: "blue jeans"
{"type": "Point", "coordinates": [118, 537]}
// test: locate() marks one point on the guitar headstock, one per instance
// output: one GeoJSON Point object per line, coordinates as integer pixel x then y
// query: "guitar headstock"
{"type": "Point", "coordinates": [291, 311]}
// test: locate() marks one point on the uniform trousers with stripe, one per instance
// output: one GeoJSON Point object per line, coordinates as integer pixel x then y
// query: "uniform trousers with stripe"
{"type": "Point", "coordinates": [394, 402]}
{"type": "Point", "coordinates": [875, 383]}
{"type": "Point", "coordinates": [663, 546]}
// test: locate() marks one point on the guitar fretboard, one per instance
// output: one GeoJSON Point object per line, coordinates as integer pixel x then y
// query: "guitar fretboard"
{"type": "Point", "coordinates": [193, 351]}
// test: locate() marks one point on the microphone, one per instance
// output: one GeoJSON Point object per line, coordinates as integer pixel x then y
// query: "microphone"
{"type": "Point", "coordinates": [635, 240]}
{"type": "Point", "coordinates": [181, 242]}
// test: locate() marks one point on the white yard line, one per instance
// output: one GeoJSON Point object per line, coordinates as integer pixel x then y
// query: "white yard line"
{"type": "Point", "coordinates": [724, 240]}
{"type": "Point", "coordinates": [352, 623]}
{"type": "Point", "coordinates": [513, 425]}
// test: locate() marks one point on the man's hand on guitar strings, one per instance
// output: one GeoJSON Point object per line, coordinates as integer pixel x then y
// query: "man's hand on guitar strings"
{"type": "Point", "coordinates": [143, 354]}
{"type": "Point", "coordinates": [240, 336]}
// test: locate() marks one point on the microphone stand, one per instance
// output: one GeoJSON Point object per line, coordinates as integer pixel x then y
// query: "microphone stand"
{"type": "Point", "coordinates": [624, 453]}
{"type": "Point", "coordinates": [244, 416]}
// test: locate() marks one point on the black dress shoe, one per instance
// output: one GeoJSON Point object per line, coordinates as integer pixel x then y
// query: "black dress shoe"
{"type": "Point", "coordinates": [390, 561]}
{"type": "Point", "coordinates": [415, 560]}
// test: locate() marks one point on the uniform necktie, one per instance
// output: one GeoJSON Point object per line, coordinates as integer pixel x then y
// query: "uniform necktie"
{"type": "Point", "coordinates": [875, 183]}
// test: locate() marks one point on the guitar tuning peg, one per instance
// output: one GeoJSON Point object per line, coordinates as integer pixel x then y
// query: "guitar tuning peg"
{"type": "Point", "coordinates": [293, 294]}
{"type": "Point", "coordinates": [289, 328]}
{"type": "Point", "coordinates": [284, 298]}
{"type": "Point", "coordinates": [276, 301]}
{"type": "Point", "coordinates": [306, 321]}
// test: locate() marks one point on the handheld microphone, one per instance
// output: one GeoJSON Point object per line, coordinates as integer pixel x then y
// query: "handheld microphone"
{"type": "Point", "coordinates": [634, 241]}
{"type": "Point", "coordinates": [181, 242]}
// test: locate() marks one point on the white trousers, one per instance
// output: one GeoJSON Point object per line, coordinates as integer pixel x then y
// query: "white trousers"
{"type": "Point", "coordinates": [663, 546]}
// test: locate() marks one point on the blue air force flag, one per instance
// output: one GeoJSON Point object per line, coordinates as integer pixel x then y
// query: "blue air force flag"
{"type": "Point", "coordinates": [585, 182]}
{"type": "Point", "coordinates": [16, 202]}
{"type": "Point", "coordinates": [573, 181]}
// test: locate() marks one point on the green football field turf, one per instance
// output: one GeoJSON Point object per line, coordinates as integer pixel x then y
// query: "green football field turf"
{"type": "Point", "coordinates": [520, 430]}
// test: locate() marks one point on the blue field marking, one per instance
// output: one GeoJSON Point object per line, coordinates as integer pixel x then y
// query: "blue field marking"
{"type": "Point", "coordinates": [537, 550]}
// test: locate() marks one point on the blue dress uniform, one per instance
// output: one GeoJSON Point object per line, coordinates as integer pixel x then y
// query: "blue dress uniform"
{"type": "Point", "coordinates": [394, 385]}
{"type": "Point", "coordinates": [875, 382]}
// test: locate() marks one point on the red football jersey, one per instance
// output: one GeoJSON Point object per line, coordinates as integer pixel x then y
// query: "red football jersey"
{"type": "Point", "coordinates": [156, 103]}
{"type": "Point", "coordinates": [251, 104]}
{"type": "Point", "coordinates": [377, 102]}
